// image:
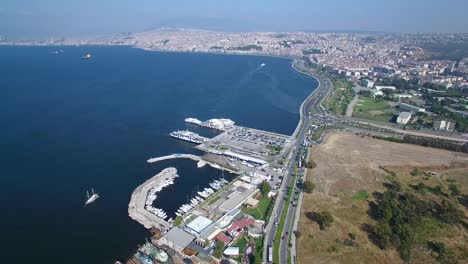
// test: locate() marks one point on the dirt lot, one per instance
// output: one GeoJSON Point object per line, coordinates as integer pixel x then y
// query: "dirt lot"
{"type": "Point", "coordinates": [349, 169]}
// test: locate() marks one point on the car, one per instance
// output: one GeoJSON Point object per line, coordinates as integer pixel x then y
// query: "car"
{"type": "Point", "coordinates": [276, 215]}
{"type": "Point", "coordinates": [282, 237]}
{"type": "Point", "coordinates": [276, 223]}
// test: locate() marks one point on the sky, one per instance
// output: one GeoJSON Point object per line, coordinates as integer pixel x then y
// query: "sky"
{"type": "Point", "coordinates": [40, 19]}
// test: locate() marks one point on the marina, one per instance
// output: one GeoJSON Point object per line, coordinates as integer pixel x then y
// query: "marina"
{"type": "Point", "coordinates": [140, 207]}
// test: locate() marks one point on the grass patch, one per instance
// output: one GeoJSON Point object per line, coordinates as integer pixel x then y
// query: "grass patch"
{"type": "Point", "coordinates": [427, 228]}
{"type": "Point", "coordinates": [241, 243]}
{"type": "Point", "coordinates": [361, 195]}
{"type": "Point", "coordinates": [214, 199]}
{"type": "Point", "coordinates": [341, 96]}
{"type": "Point", "coordinates": [373, 109]}
{"type": "Point", "coordinates": [261, 211]}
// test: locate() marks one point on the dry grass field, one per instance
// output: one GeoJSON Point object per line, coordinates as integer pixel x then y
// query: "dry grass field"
{"type": "Point", "coordinates": [350, 168]}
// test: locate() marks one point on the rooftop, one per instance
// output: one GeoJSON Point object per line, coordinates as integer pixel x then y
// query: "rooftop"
{"type": "Point", "coordinates": [179, 237]}
{"type": "Point", "coordinates": [198, 224]}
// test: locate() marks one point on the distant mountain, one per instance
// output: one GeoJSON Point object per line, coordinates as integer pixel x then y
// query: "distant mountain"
{"type": "Point", "coordinates": [213, 24]}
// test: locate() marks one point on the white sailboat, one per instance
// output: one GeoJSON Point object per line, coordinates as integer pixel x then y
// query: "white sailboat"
{"type": "Point", "coordinates": [92, 198]}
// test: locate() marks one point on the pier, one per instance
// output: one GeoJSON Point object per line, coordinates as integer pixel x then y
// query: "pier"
{"type": "Point", "coordinates": [136, 207]}
{"type": "Point", "coordinates": [175, 156]}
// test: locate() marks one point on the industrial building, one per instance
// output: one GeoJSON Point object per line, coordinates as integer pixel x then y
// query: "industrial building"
{"type": "Point", "coordinates": [404, 118]}
{"type": "Point", "coordinates": [177, 239]}
{"type": "Point", "coordinates": [411, 108]}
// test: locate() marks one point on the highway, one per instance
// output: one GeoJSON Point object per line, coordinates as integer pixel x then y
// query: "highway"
{"type": "Point", "coordinates": [314, 103]}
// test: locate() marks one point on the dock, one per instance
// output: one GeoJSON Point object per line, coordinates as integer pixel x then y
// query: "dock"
{"type": "Point", "coordinates": [136, 207]}
{"type": "Point", "coordinates": [175, 156]}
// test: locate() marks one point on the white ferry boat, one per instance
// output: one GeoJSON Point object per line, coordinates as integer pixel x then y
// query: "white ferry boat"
{"type": "Point", "coordinates": [188, 136]}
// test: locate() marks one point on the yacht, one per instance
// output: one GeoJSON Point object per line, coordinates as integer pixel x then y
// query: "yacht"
{"type": "Point", "coordinates": [92, 198]}
{"type": "Point", "coordinates": [87, 56]}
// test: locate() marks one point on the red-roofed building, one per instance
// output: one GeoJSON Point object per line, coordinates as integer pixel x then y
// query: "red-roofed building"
{"type": "Point", "coordinates": [222, 237]}
{"type": "Point", "coordinates": [240, 224]}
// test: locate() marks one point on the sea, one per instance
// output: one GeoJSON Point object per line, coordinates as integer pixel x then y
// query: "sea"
{"type": "Point", "coordinates": [69, 125]}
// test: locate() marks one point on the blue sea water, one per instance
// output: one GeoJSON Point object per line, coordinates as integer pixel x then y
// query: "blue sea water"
{"type": "Point", "coordinates": [69, 124]}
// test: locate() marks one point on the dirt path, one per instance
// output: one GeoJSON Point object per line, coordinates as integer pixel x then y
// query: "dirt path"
{"type": "Point", "coordinates": [349, 109]}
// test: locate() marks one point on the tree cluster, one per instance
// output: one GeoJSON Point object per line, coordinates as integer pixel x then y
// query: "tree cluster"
{"type": "Point", "coordinates": [400, 214]}
{"type": "Point", "coordinates": [265, 188]}
{"type": "Point", "coordinates": [324, 219]}
{"type": "Point", "coordinates": [218, 252]}
{"type": "Point", "coordinates": [429, 142]}
{"type": "Point", "coordinates": [308, 186]}
{"type": "Point", "coordinates": [310, 164]}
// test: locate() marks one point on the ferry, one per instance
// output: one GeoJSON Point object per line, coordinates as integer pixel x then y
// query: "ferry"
{"type": "Point", "coordinates": [92, 198]}
{"type": "Point", "coordinates": [188, 136]}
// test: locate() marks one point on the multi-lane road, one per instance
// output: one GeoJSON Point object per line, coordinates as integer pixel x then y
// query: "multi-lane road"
{"type": "Point", "coordinates": [312, 103]}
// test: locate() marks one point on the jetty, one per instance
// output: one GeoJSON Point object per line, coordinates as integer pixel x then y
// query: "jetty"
{"type": "Point", "coordinates": [136, 207]}
{"type": "Point", "coordinates": [175, 156]}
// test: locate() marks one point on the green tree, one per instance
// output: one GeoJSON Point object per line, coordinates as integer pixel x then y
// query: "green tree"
{"type": "Point", "coordinates": [310, 164]}
{"type": "Point", "coordinates": [265, 188]}
{"type": "Point", "coordinates": [178, 220]}
{"type": "Point", "coordinates": [218, 252]}
{"type": "Point", "coordinates": [454, 190]}
{"type": "Point", "coordinates": [449, 213]}
{"type": "Point", "coordinates": [383, 233]}
{"type": "Point", "coordinates": [324, 219]}
{"type": "Point", "coordinates": [308, 186]}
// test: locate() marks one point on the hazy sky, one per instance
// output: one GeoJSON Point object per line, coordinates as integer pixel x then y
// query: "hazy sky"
{"type": "Point", "coordinates": [45, 18]}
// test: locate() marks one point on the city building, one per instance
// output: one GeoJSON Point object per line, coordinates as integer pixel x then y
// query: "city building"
{"type": "Point", "coordinates": [376, 92]}
{"type": "Point", "coordinates": [403, 118]}
{"type": "Point", "coordinates": [378, 87]}
{"type": "Point", "coordinates": [231, 251]}
{"type": "Point", "coordinates": [367, 83]}
{"type": "Point", "coordinates": [197, 225]}
{"type": "Point", "coordinates": [447, 125]}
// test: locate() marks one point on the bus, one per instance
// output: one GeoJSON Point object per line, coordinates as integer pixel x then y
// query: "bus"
{"type": "Point", "coordinates": [270, 254]}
